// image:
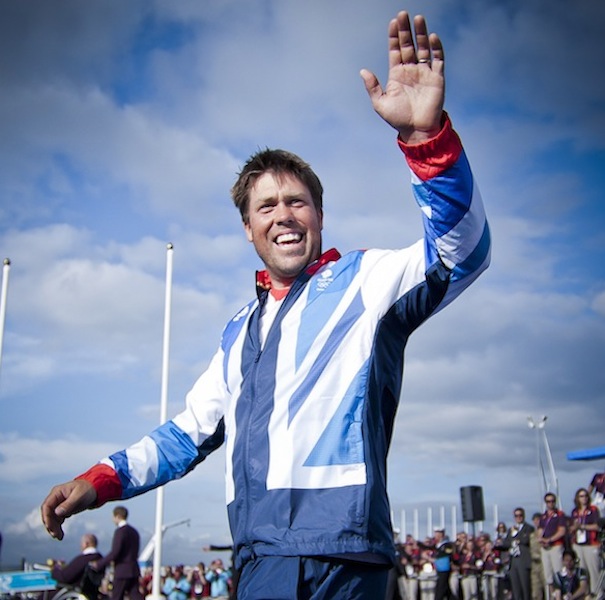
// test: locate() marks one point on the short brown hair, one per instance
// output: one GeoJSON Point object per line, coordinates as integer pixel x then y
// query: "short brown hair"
{"type": "Point", "coordinates": [280, 162]}
{"type": "Point", "coordinates": [90, 540]}
{"type": "Point", "coordinates": [120, 511]}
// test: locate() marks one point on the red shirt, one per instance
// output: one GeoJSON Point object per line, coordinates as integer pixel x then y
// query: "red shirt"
{"type": "Point", "coordinates": [588, 516]}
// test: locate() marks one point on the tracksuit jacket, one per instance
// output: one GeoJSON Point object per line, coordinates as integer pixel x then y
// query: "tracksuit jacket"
{"type": "Point", "coordinates": [307, 417]}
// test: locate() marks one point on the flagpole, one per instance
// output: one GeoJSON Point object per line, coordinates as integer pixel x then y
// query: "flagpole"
{"type": "Point", "coordinates": [3, 296]}
{"type": "Point", "coordinates": [159, 508]}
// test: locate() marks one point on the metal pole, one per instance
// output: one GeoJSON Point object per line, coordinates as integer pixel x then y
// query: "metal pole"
{"type": "Point", "coordinates": [3, 296]}
{"type": "Point", "coordinates": [542, 489]}
{"type": "Point", "coordinates": [551, 464]}
{"type": "Point", "coordinates": [416, 524]}
{"type": "Point", "coordinates": [454, 520]}
{"type": "Point", "coordinates": [542, 484]}
{"type": "Point", "coordinates": [159, 508]}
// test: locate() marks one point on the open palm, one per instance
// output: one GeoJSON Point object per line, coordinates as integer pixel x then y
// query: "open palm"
{"type": "Point", "coordinates": [412, 100]}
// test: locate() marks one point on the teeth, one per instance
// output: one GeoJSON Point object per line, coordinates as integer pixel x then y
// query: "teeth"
{"type": "Point", "coordinates": [286, 238]}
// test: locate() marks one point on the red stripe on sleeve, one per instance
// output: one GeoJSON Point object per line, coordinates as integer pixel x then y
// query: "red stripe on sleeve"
{"type": "Point", "coordinates": [431, 158]}
{"type": "Point", "coordinates": [105, 481]}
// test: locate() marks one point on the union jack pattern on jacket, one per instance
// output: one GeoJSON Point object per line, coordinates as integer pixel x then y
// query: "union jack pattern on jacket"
{"type": "Point", "coordinates": [307, 418]}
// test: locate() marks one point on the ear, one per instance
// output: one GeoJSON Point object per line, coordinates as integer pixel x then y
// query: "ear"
{"type": "Point", "coordinates": [248, 231]}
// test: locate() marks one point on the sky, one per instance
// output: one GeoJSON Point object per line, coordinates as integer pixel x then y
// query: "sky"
{"type": "Point", "coordinates": [122, 128]}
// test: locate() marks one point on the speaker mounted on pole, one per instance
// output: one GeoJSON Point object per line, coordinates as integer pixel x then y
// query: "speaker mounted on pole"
{"type": "Point", "coordinates": [471, 498]}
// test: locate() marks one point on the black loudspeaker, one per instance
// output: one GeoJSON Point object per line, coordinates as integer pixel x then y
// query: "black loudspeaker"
{"type": "Point", "coordinates": [471, 498]}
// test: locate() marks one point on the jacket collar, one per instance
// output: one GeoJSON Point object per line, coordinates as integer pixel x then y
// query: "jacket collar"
{"type": "Point", "coordinates": [263, 279]}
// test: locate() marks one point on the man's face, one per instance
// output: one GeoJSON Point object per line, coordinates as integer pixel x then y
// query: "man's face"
{"type": "Point", "coordinates": [568, 562]}
{"type": "Point", "coordinates": [284, 226]}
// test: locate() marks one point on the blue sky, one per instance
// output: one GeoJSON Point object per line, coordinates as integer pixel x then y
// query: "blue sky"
{"type": "Point", "coordinates": [123, 125]}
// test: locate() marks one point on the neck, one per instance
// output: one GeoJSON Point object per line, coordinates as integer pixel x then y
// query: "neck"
{"type": "Point", "coordinates": [279, 293]}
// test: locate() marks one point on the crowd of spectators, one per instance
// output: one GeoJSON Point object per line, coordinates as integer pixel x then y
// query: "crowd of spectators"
{"type": "Point", "coordinates": [557, 556]}
{"type": "Point", "coordinates": [565, 553]}
{"type": "Point", "coordinates": [199, 582]}
{"type": "Point", "coordinates": [177, 582]}
{"type": "Point", "coordinates": [564, 561]}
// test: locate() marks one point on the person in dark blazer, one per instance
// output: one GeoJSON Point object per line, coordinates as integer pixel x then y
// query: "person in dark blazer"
{"type": "Point", "coordinates": [517, 542]}
{"type": "Point", "coordinates": [73, 572]}
{"type": "Point", "coordinates": [124, 555]}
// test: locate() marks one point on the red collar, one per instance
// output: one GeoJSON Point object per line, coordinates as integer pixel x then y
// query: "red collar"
{"type": "Point", "coordinates": [263, 279]}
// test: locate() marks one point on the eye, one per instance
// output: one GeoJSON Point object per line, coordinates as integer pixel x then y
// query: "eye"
{"type": "Point", "coordinates": [298, 203]}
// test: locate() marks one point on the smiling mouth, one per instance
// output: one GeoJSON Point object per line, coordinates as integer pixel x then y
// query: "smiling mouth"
{"type": "Point", "coordinates": [288, 238]}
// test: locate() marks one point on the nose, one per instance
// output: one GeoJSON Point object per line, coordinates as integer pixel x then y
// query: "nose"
{"type": "Point", "coordinates": [283, 212]}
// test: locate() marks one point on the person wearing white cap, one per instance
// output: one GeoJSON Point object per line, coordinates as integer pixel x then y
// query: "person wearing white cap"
{"type": "Point", "coordinates": [442, 559]}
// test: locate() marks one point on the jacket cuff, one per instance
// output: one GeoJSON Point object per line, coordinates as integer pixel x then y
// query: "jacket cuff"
{"type": "Point", "coordinates": [106, 482]}
{"type": "Point", "coordinates": [429, 159]}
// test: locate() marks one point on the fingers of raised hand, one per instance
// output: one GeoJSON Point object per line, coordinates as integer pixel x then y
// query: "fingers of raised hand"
{"type": "Point", "coordinates": [438, 55]}
{"type": "Point", "coordinates": [407, 48]}
{"type": "Point", "coordinates": [423, 51]}
{"type": "Point", "coordinates": [401, 41]}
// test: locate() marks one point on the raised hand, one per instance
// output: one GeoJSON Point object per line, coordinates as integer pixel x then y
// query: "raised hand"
{"type": "Point", "coordinates": [412, 100]}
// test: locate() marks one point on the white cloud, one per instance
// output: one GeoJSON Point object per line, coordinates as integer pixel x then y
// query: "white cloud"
{"type": "Point", "coordinates": [25, 459]}
{"type": "Point", "coordinates": [30, 525]}
{"type": "Point", "coordinates": [171, 170]}
{"type": "Point", "coordinates": [598, 303]}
